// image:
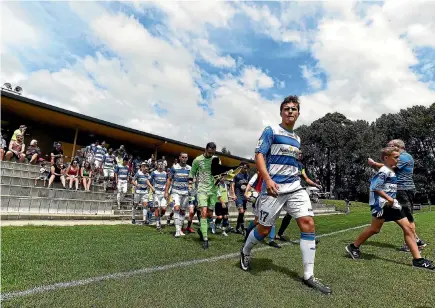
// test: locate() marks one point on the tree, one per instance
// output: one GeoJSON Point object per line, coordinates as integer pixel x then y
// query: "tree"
{"type": "Point", "coordinates": [225, 151]}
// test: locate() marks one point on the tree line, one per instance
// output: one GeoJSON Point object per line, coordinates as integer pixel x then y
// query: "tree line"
{"type": "Point", "coordinates": [335, 149]}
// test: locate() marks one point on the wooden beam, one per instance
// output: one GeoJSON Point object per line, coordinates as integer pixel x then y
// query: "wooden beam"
{"type": "Point", "coordinates": [74, 144]}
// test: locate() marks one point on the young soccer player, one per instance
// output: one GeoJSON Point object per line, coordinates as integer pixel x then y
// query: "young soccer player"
{"type": "Point", "coordinates": [385, 207]}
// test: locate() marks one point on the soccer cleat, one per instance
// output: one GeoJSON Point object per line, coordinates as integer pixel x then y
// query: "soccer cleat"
{"type": "Point", "coordinates": [316, 284]}
{"type": "Point", "coordinates": [423, 264]}
{"type": "Point", "coordinates": [224, 233]}
{"type": "Point", "coordinates": [201, 238]}
{"type": "Point", "coordinates": [133, 221]}
{"type": "Point", "coordinates": [282, 238]}
{"type": "Point", "coordinates": [177, 234]}
{"type": "Point", "coordinates": [245, 261]}
{"type": "Point", "coordinates": [168, 222]}
{"type": "Point", "coordinates": [205, 244]}
{"type": "Point", "coordinates": [421, 244]}
{"type": "Point", "coordinates": [353, 252]}
{"type": "Point", "coordinates": [404, 248]}
{"type": "Point", "coordinates": [274, 244]}
{"type": "Point", "coordinates": [182, 233]}
{"type": "Point", "coordinates": [317, 241]}
{"type": "Point", "coordinates": [213, 227]}
{"type": "Point", "coordinates": [190, 230]}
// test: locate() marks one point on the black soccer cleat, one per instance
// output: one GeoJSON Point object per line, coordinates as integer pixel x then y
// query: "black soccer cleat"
{"type": "Point", "coordinates": [133, 221]}
{"type": "Point", "coordinates": [245, 261]}
{"type": "Point", "coordinates": [274, 244]}
{"type": "Point", "coordinates": [353, 252]}
{"type": "Point", "coordinates": [316, 284]}
{"type": "Point", "coordinates": [423, 264]}
{"type": "Point", "coordinates": [421, 244]}
{"type": "Point", "coordinates": [281, 238]}
{"type": "Point", "coordinates": [205, 244]}
{"type": "Point", "coordinates": [201, 237]}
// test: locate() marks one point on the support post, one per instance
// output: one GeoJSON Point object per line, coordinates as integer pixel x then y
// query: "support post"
{"type": "Point", "coordinates": [74, 144]}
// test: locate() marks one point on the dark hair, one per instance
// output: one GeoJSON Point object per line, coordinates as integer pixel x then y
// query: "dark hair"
{"type": "Point", "coordinates": [211, 145]}
{"type": "Point", "coordinates": [290, 99]}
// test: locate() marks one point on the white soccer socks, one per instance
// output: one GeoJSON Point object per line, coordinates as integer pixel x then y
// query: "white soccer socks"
{"type": "Point", "coordinates": [308, 249]}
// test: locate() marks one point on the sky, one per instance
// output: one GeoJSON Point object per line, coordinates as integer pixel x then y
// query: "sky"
{"type": "Point", "coordinates": [217, 71]}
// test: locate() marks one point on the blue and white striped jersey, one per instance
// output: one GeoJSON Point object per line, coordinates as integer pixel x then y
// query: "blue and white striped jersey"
{"type": "Point", "coordinates": [108, 161]}
{"type": "Point", "coordinates": [280, 148]}
{"type": "Point", "coordinates": [386, 181]}
{"type": "Point", "coordinates": [99, 153]}
{"type": "Point", "coordinates": [122, 172]}
{"type": "Point", "coordinates": [180, 179]}
{"type": "Point", "coordinates": [158, 180]}
{"type": "Point", "coordinates": [141, 180]}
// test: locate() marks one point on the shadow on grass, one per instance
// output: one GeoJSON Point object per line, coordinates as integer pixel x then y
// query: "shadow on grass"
{"type": "Point", "coordinates": [369, 256]}
{"type": "Point", "coordinates": [380, 244]}
{"type": "Point", "coordinates": [259, 265]}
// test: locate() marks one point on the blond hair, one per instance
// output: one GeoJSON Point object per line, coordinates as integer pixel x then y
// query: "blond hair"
{"type": "Point", "coordinates": [388, 151]}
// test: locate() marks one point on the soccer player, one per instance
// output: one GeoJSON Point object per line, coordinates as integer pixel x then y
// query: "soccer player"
{"type": "Point", "coordinates": [121, 178]}
{"type": "Point", "coordinates": [238, 188]}
{"type": "Point", "coordinates": [276, 160]}
{"type": "Point", "coordinates": [405, 186]}
{"type": "Point", "coordinates": [158, 180]}
{"type": "Point", "coordinates": [221, 208]}
{"type": "Point", "coordinates": [207, 191]}
{"type": "Point", "coordinates": [255, 183]}
{"type": "Point", "coordinates": [142, 186]}
{"type": "Point", "coordinates": [178, 182]}
{"type": "Point", "coordinates": [305, 180]}
{"type": "Point", "coordinates": [385, 207]}
{"type": "Point", "coordinates": [109, 161]}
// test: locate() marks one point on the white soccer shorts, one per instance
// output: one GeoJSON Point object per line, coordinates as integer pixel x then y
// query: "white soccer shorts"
{"type": "Point", "coordinates": [108, 173]}
{"type": "Point", "coordinates": [297, 204]}
{"type": "Point", "coordinates": [141, 198]}
{"type": "Point", "coordinates": [181, 200]}
{"type": "Point", "coordinates": [122, 186]}
{"type": "Point", "coordinates": [159, 200]}
{"type": "Point", "coordinates": [97, 164]}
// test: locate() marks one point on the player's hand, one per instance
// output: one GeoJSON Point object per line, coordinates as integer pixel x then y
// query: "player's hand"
{"type": "Point", "coordinates": [224, 205]}
{"type": "Point", "coordinates": [390, 201]}
{"type": "Point", "coordinates": [166, 196]}
{"type": "Point", "coordinates": [319, 186]}
{"type": "Point", "coordinates": [370, 161]}
{"type": "Point", "coordinates": [246, 196]}
{"type": "Point", "coordinates": [272, 188]}
{"type": "Point", "coordinates": [396, 205]}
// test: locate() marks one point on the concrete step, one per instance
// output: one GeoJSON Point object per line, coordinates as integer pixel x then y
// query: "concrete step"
{"type": "Point", "coordinates": [19, 166]}
{"type": "Point", "coordinates": [44, 205]}
{"type": "Point", "coordinates": [6, 171]}
{"type": "Point", "coordinates": [30, 181]}
{"type": "Point", "coordinates": [33, 191]}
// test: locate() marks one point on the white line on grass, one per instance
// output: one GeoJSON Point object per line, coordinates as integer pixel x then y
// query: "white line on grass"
{"type": "Point", "coordinates": [148, 270]}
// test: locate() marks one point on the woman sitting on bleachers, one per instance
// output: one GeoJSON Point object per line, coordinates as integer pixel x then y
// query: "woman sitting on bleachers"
{"type": "Point", "coordinates": [72, 173]}
{"type": "Point", "coordinates": [57, 173]}
{"type": "Point", "coordinates": [86, 174]}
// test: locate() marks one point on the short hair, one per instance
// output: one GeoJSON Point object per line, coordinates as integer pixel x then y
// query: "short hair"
{"type": "Point", "coordinates": [182, 153]}
{"type": "Point", "coordinates": [290, 99]}
{"type": "Point", "coordinates": [211, 145]}
{"type": "Point", "coordinates": [398, 143]}
{"type": "Point", "coordinates": [387, 151]}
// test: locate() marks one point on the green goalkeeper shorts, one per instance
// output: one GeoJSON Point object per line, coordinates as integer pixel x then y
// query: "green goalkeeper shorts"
{"type": "Point", "coordinates": [207, 200]}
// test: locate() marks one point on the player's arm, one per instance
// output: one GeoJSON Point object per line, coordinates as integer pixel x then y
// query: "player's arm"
{"type": "Point", "coordinates": [233, 190]}
{"type": "Point", "coordinates": [374, 164]}
{"type": "Point", "coordinates": [308, 180]}
{"type": "Point", "coordinates": [150, 186]}
{"type": "Point", "coordinates": [193, 171]}
{"type": "Point", "coordinates": [116, 173]}
{"type": "Point", "coordinates": [263, 147]}
{"type": "Point", "coordinates": [384, 195]}
{"type": "Point", "coordinates": [169, 182]}
{"type": "Point", "coordinates": [247, 190]}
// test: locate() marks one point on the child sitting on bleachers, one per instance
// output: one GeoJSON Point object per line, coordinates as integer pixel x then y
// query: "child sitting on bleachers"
{"type": "Point", "coordinates": [44, 173]}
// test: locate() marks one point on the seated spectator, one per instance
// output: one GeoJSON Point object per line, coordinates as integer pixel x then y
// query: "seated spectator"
{"type": "Point", "coordinates": [19, 131]}
{"type": "Point", "coordinates": [16, 149]}
{"type": "Point", "coordinates": [44, 173]}
{"type": "Point", "coordinates": [3, 146]}
{"type": "Point", "coordinates": [86, 175]}
{"type": "Point", "coordinates": [33, 152]}
{"type": "Point", "coordinates": [72, 173]}
{"type": "Point", "coordinates": [56, 153]}
{"type": "Point", "coordinates": [57, 173]}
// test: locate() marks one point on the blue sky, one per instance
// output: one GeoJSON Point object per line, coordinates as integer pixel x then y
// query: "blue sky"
{"type": "Point", "coordinates": [197, 71]}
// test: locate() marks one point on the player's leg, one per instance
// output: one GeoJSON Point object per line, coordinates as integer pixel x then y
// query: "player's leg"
{"type": "Point", "coordinates": [136, 201]}
{"type": "Point", "coordinates": [284, 225]}
{"type": "Point", "coordinates": [145, 209]}
{"type": "Point", "coordinates": [267, 215]}
{"type": "Point", "coordinates": [157, 211]}
{"type": "Point", "coordinates": [118, 194]}
{"type": "Point", "coordinates": [253, 223]}
{"type": "Point", "coordinates": [241, 206]}
{"type": "Point", "coordinates": [409, 236]}
{"type": "Point", "coordinates": [298, 205]}
{"type": "Point", "coordinates": [184, 206]}
{"type": "Point", "coordinates": [406, 200]}
{"type": "Point", "coordinates": [203, 225]}
{"type": "Point", "coordinates": [272, 235]}
{"type": "Point", "coordinates": [177, 209]}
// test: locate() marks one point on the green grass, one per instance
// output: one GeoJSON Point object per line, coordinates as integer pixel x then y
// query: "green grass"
{"type": "Point", "coordinates": [33, 256]}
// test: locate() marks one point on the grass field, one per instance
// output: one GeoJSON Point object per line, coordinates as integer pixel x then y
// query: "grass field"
{"type": "Point", "coordinates": [36, 256]}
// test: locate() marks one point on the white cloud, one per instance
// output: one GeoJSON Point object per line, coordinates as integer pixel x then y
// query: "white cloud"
{"type": "Point", "coordinates": [209, 53]}
{"type": "Point", "coordinates": [254, 79]}
{"type": "Point", "coordinates": [309, 74]}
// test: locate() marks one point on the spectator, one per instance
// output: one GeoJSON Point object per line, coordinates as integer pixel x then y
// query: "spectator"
{"type": "Point", "coordinates": [130, 165]}
{"type": "Point", "coordinates": [79, 158]}
{"type": "Point", "coordinates": [16, 149]}
{"type": "Point", "coordinates": [56, 153]}
{"type": "Point", "coordinates": [165, 163]}
{"type": "Point", "coordinates": [151, 160]}
{"type": "Point", "coordinates": [3, 146]}
{"type": "Point", "coordinates": [33, 152]}
{"type": "Point", "coordinates": [175, 163]}
{"type": "Point", "coordinates": [44, 173]}
{"type": "Point", "coordinates": [57, 173]}
{"type": "Point", "coordinates": [72, 173]}
{"type": "Point", "coordinates": [136, 164]}
{"type": "Point", "coordinates": [19, 131]}
{"type": "Point", "coordinates": [86, 174]}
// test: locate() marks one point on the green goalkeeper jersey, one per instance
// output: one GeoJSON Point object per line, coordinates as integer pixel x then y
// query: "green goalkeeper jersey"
{"type": "Point", "coordinates": [201, 169]}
